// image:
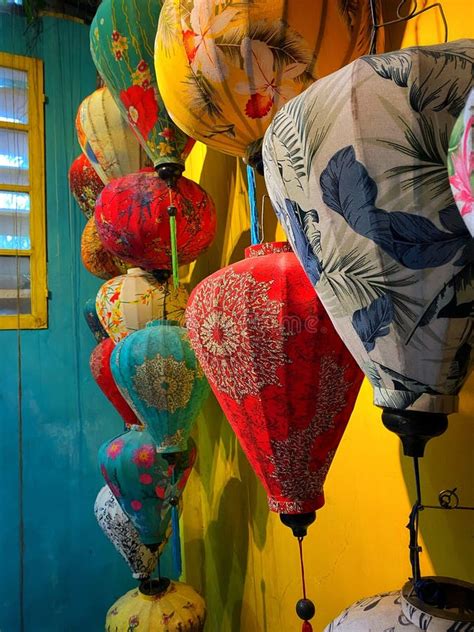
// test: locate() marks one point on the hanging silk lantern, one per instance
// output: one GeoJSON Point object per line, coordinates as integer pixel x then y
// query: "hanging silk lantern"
{"type": "Point", "coordinates": [355, 168]}
{"type": "Point", "coordinates": [128, 302]}
{"type": "Point", "coordinates": [224, 70]}
{"type": "Point", "coordinates": [93, 322]}
{"type": "Point", "coordinates": [461, 163]}
{"type": "Point", "coordinates": [122, 534]}
{"type": "Point", "coordinates": [100, 368]}
{"type": "Point", "coordinates": [85, 184]}
{"type": "Point", "coordinates": [95, 257]}
{"type": "Point", "coordinates": [380, 613]}
{"type": "Point", "coordinates": [281, 374]}
{"type": "Point", "coordinates": [146, 484]}
{"type": "Point", "coordinates": [157, 372]}
{"type": "Point", "coordinates": [106, 138]}
{"type": "Point", "coordinates": [122, 36]}
{"type": "Point", "coordinates": [171, 607]}
{"type": "Point", "coordinates": [133, 222]}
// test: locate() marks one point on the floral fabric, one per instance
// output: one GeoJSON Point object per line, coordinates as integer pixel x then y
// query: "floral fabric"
{"type": "Point", "coordinates": [281, 374]}
{"type": "Point", "coordinates": [93, 322]}
{"type": "Point", "coordinates": [85, 184]}
{"type": "Point", "coordinates": [106, 138]}
{"type": "Point", "coordinates": [356, 170]}
{"type": "Point", "coordinates": [95, 257]}
{"type": "Point", "coordinates": [122, 36]}
{"type": "Point", "coordinates": [157, 372]}
{"type": "Point", "coordinates": [461, 163]}
{"type": "Point", "coordinates": [225, 68]}
{"type": "Point", "coordinates": [179, 609]}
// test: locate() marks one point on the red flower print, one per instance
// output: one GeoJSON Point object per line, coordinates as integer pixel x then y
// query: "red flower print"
{"type": "Point", "coordinates": [144, 456]}
{"type": "Point", "coordinates": [142, 66]}
{"type": "Point", "coordinates": [114, 448]}
{"type": "Point", "coordinates": [189, 41]}
{"type": "Point", "coordinates": [146, 479]}
{"type": "Point", "coordinates": [258, 106]}
{"type": "Point", "coordinates": [136, 505]}
{"type": "Point", "coordinates": [142, 108]}
{"type": "Point", "coordinates": [118, 55]}
{"type": "Point", "coordinates": [145, 84]}
{"type": "Point", "coordinates": [115, 36]}
{"type": "Point", "coordinates": [170, 470]}
{"type": "Point", "coordinates": [115, 296]}
{"type": "Point", "coordinates": [168, 133]}
{"type": "Point", "coordinates": [160, 491]}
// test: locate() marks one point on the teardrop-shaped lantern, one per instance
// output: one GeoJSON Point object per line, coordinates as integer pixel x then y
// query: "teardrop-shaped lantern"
{"type": "Point", "coordinates": [128, 302]}
{"type": "Point", "coordinates": [122, 37]}
{"type": "Point", "coordinates": [95, 258]}
{"type": "Point", "coordinates": [224, 69]}
{"type": "Point", "coordinates": [157, 372]}
{"type": "Point", "coordinates": [355, 168]}
{"type": "Point", "coordinates": [280, 372]}
{"type": "Point", "coordinates": [119, 529]}
{"type": "Point", "coordinates": [85, 184]}
{"type": "Point", "coordinates": [461, 162]}
{"type": "Point", "coordinates": [106, 138]}
{"type": "Point", "coordinates": [147, 484]}
{"type": "Point", "coordinates": [93, 322]}
{"type": "Point", "coordinates": [133, 220]}
{"type": "Point", "coordinates": [172, 607]}
{"type": "Point", "coordinates": [100, 368]}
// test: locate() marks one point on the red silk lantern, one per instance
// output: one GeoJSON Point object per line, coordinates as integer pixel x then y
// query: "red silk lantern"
{"type": "Point", "coordinates": [100, 368]}
{"type": "Point", "coordinates": [133, 222]}
{"type": "Point", "coordinates": [283, 377]}
{"type": "Point", "coordinates": [85, 184]}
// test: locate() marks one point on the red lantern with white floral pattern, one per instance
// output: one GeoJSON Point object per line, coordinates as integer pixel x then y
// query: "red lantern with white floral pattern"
{"type": "Point", "coordinates": [85, 184]}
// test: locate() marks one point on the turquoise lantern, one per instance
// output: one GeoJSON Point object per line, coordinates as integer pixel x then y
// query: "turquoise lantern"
{"type": "Point", "coordinates": [147, 484]}
{"type": "Point", "coordinates": [157, 372]}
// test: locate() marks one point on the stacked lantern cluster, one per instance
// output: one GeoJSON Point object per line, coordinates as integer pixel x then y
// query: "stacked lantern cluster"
{"type": "Point", "coordinates": [393, 272]}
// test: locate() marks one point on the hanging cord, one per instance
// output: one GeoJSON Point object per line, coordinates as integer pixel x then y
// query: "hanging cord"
{"type": "Point", "coordinates": [172, 211]}
{"type": "Point", "coordinates": [305, 607]}
{"type": "Point", "coordinates": [252, 193]}
{"type": "Point", "coordinates": [175, 535]}
{"type": "Point", "coordinates": [413, 526]}
{"type": "Point", "coordinates": [402, 18]}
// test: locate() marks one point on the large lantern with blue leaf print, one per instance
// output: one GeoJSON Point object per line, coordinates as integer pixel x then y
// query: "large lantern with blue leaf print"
{"type": "Point", "coordinates": [157, 371]}
{"type": "Point", "coordinates": [356, 169]}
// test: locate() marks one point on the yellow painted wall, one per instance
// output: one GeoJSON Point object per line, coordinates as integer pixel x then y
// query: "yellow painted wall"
{"type": "Point", "coordinates": [236, 552]}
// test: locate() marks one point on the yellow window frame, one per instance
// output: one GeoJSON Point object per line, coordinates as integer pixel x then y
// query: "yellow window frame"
{"type": "Point", "coordinates": [38, 318]}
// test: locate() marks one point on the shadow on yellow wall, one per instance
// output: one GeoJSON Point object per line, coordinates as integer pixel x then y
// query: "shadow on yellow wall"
{"type": "Point", "coordinates": [237, 553]}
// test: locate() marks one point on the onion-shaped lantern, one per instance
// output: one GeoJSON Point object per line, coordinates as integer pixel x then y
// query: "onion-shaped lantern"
{"type": "Point", "coordinates": [133, 220]}
{"type": "Point", "coordinates": [95, 258]}
{"type": "Point", "coordinates": [122, 37]}
{"type": "Point", "coordinates": [224, 69]}
{"type": "Point", "coordinates": [85, 184]}
{"type": "Point", "coordinates": [128, 302]}
{"type": "Point", "coordinates": [162, 606]}
{"type": "Point", "coordinates": [100, 368]}
{"type": "Point", "coordinates": [356, 169]}
{"type": "Point", "coordinates": [461, 162]}
{"type": "Point", "coordinates": [106, 138]}
{"type": "Point", "coordinates": [146, 484]}
{"type": "Point", "coordinates": [157, 372]}
{"type": "Point", "coordinates": [119, 529]}
{"type": "Point", "coordinates": [281, 374]}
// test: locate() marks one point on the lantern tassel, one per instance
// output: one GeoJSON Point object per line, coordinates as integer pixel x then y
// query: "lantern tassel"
{"type": "Point", "coordinates": [305, 607]}
{"type": "Point", "coordinates": [174, 244]}
{"type": "Point", "coordinates": [176, 542]}
{"type": "Point", "coordinates": [254, 221]}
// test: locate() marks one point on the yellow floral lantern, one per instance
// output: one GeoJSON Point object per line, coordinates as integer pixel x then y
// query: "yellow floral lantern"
{"type": "Point", "coordinates": [175, 607]}
{"type": "Point", "coordinates": [105, 137]}
{"type": "Point", "coordinates": [224, 69]}
{"type": "Point", "coordinates": [128, 302]}
{"type": "Point", "coordinates": [95, 257]}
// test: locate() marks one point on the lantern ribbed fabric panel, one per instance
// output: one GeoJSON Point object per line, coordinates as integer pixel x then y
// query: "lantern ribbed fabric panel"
{"type": "Point", "coordinates": [224, 69]}
{"type": "Point", "coordinates": [356, 169]}
{"type": "Point", "coordinates": [281, 374]}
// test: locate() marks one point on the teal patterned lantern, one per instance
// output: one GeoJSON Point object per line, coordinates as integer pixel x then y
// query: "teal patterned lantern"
{"type": "Point", "coordinates": [122, 38]}
{"type": "Point", "coordinates": [157, 372]}
{"type": "Point", "coordinates": [146, 484]}
{"type": "Point", "coordinates": [356, 170]}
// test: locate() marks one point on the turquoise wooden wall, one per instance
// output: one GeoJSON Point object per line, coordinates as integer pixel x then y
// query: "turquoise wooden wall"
{"type": "Point", "coordinates": [58, 571]}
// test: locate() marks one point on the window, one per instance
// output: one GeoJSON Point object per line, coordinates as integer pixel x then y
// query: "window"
{"type": "Point", "coordinates": [23, 289]}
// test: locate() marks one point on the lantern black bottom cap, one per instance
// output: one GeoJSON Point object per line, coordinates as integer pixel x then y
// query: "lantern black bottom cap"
{"type": "Point", "coordinates": [438, 596]}
{"type": "Point", "coordinates": [170, 172]}
{"type": "Point", "coordinates": [415, 428]}
{"type": "Point", "coordinates": [298, 523]}
{"type": "Point", "coordinates": [152, 587]}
